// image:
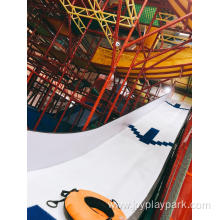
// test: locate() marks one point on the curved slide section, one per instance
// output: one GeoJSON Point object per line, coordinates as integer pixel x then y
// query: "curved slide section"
{"type": "Point", "coordinates": [125, 167]}
{"type": "Point", "coordinates": [180, 63]}
{"type": "Point", "coordinates": [48, 149]}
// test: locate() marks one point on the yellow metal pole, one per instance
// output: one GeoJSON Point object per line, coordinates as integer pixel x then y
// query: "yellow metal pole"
{"type": "Point", "coordinates": [131, 10]}
{"type": "Point", "coordinates": [100, 18]}
{"type": "Point", "coordinates": [77, 20]}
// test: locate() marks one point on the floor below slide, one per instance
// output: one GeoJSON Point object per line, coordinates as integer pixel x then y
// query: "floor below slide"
{"type": "Point", "coordinates": [124, 168]}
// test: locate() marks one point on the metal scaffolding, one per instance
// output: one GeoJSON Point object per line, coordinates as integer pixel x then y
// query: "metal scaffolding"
{"type": "Point", "coordinates": [69, 91]}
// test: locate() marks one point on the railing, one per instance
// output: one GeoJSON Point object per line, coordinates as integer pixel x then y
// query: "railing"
{"type": "Point", "coordinates": [172, 167]}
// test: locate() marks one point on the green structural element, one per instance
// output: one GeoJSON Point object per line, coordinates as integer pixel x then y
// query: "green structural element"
{"type": "Point", "coordinates": [83, 83]}
{"type": "Point", "coordinates": [146, 17]}
{"type": "Point", "coordinates": [147, 14]}
{"type": "Point", "coordinates": [94, 91]}
{"type": "Point", "coordinates": [40, 30]}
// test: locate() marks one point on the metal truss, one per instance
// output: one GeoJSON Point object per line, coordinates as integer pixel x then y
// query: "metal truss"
{"type": "Point", "coordinates": [104, 18]}
{"type": "Point", "coordinates": [172, 39]}
{"type": "Point", "coordinates": [96, 13]}
{"type": "Point", "coordinates": [62, 77]}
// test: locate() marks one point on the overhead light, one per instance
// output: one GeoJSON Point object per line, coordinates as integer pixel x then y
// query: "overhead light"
{"type": "Point", "coordinates": [117, 44]}
{"type": "Point", "coordinates": [167, 89]}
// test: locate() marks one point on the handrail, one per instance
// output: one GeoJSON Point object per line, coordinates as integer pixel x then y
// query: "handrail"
{"type": "Point", "coordinates": [164, 186]}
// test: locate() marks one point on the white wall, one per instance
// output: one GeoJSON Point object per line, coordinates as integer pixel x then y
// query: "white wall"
{"type": "Point", "coordinates": [48, 149]}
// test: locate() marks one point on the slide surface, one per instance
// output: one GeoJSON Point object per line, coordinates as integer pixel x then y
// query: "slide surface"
{"type": "Point", "coordinates": [125, 167]}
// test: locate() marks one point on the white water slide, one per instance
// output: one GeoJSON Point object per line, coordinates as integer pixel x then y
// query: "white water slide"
{"type": "Point", "coordinates": [119, 162]}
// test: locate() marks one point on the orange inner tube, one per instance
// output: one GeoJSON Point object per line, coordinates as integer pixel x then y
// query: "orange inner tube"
{"type": "Point", "coordinates": [87, 205]}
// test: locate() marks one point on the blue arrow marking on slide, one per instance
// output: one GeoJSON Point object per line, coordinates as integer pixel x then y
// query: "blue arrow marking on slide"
{"type": "Point", "coordinates": [149, 136]}
{"type": "Point", "coordinates": [176, 106]}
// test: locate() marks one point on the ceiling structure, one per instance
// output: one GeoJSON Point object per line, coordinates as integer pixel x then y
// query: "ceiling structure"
{"type": "Point", "coordinates": [90, 61]}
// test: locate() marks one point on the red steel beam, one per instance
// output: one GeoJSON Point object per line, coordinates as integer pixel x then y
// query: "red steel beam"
{"type": "Point", "coordinates": [60, 79]}
{"type": "Point", "coordinates": [114, 67]}
{"type": "Point", "coordinates": [141, 71]}
{"type": "Point", "coordinates": [75, 90]}
{"type": "Point", "coordinates": [127, 75]}
{"type": "Point", "coordinates": [64, 72]}
{"type": "Point", "coordinates": [164, 51]}
{"type": "Point", "coordinates": [186, 138]}
{"type": "Point", "coordinates": [159, 29]}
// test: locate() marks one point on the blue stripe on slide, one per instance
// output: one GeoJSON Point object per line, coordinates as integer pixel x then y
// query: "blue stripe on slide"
{"type": "Point", "coordinates": [37, 213]}
{"type": "Point", "coordinates": [176, 106]}
{"type": "Point", "coordinates": [149, 136]}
